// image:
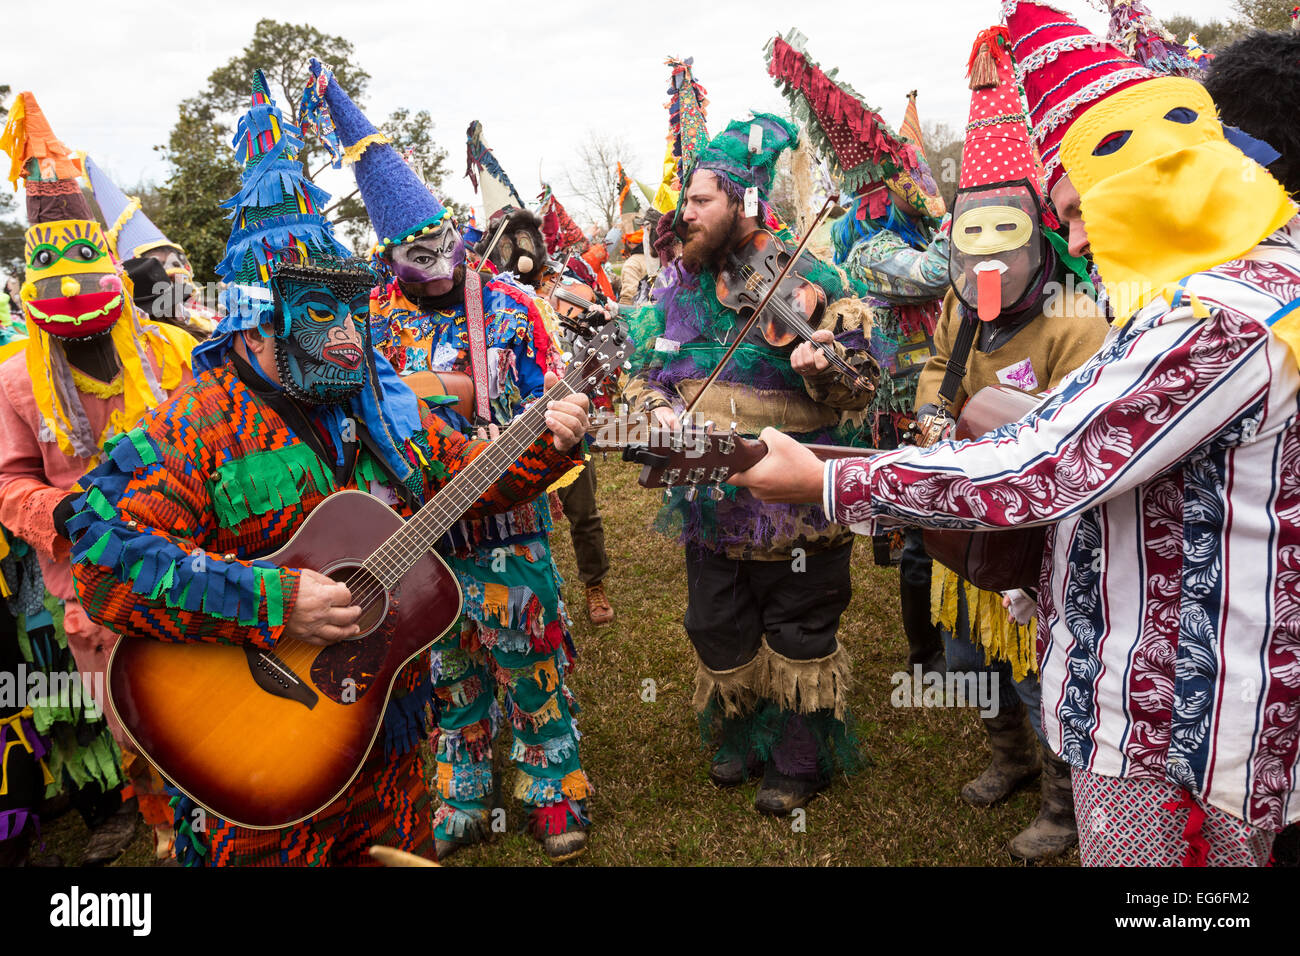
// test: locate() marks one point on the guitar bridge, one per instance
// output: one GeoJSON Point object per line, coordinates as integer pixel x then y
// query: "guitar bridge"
{"type": "Point", "coordinates": [275, 677]}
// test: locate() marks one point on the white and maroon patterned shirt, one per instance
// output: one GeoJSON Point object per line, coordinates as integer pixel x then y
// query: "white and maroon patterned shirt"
{"type": "Point", "coordinates": [1169, 607]}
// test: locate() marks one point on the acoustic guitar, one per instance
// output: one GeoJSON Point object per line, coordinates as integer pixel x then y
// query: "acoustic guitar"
{"type": "Point", "coordinates": [264, 738]}
{"type": "Point", "coordinates": [992, 560]}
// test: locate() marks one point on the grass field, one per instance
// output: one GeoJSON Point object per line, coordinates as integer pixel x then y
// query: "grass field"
{"type": "Point", "coordinates": [654, 804]}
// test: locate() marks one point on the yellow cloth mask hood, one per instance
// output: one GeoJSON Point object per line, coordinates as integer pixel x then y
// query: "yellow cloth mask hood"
{"type": "Point", "coordinates": [1162, 193]}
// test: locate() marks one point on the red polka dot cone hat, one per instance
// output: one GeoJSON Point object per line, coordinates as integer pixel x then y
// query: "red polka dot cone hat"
{"type": "Point", "coordinates": [998, 251]}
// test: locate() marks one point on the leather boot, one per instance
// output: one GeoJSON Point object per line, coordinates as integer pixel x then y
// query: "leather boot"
{"type": "Point", "coordinates": [109, 840]}
{"type": "Point", "coordinates": [1015, 759]}
{"type": "Point", "coordinates": [1054, 831]}
{"type": "Point", "coordinates": [599, 610]}
{"type": "Point", "coordinates": [793, 775]}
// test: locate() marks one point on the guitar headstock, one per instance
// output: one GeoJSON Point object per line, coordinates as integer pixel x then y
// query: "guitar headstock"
{"type": "Point", "coordinates": [699, 457]}
{"type": "Point", "coordinates": [598, 357]}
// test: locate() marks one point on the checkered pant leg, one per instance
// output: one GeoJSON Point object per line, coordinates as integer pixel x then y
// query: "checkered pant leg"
{"type": "Point", "coordinates": [1128, 821]}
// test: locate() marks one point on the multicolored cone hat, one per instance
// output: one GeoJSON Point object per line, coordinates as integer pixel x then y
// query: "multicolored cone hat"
{"type": "Point", "coordinates": [400, 206]}
{"type": "Point", "coordinates": [74, 289]}
{"type": "Point", "coordinates": [688, 125]}
{"type": "Point", "coordinates": [1162, 190]}
{"type": "Point", "coordinates": [130, 232]}
{"type": "Point", "coordinates": [276, 215]}
{"type": "Point", "coordinates": [286, 270]}
{"type": "Point", "coordinates": [866, 157]}
{"type": "Point", "coordinates": [998, 249]}
{"type": "Point", "coordinates": [1139, 34]}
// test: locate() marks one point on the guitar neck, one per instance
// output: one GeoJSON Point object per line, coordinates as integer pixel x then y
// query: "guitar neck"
{"type": "Point", "coordinates": [394, 557]}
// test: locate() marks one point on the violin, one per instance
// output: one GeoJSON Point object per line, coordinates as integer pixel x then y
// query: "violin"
{"type": "Point", "coordinates": [574, 302]}
{"type": "Point", "coordinates": [794, 311]}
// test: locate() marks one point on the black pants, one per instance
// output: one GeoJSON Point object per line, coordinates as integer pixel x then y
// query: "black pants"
{"type": "Point", "coordinates": [732, 604]}
{"type": "Point", "coordinates": [924, 645]}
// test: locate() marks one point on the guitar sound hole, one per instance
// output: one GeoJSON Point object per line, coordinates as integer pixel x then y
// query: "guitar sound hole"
{"type": "Point", "coordinates": [367, 591]}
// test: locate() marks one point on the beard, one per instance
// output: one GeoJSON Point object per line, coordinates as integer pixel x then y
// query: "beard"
{"type": "Point", "coordinates": [705, 249]}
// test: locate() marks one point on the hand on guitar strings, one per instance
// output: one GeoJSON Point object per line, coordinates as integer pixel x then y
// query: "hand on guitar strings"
{"type": "Point", "coordinates": [324, 613]}
{"type": "Point", "coordinates": [808, 360]}
{"type": "Point", "coordinates": [566, 418]}
{"type": "Point", "coordinates": [788, 473]}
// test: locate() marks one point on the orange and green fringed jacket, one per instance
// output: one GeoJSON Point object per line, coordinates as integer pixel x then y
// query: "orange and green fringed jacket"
{"type": "Point", "coordinates": [218, 469]}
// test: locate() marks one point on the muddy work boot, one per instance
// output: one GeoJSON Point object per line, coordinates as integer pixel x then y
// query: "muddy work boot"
{"type": "Point", "coordinates": [793, 775]}
{"type": "Point", "coordinates": [109, 839]}
{"type": "Point", "coordinates": [1015, 759]}
{"type": "Point", "coordinates": [599, 610]}
{"type": "Point", "coordinates": [1054, 831]}
{"type": "Point", "coordinates": [729, 770]}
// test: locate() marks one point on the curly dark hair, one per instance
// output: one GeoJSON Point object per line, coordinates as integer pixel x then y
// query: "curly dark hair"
{"type": "Point", "coordinates": [1255, 82]}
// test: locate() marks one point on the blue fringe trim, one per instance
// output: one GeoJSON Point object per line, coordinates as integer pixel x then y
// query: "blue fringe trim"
{"type": "Point", "coordinates": [191, 847]}
{"type": "Point", "coordinates": [404, 722]}
{"type": "Point", "coordinates": [152, 564]}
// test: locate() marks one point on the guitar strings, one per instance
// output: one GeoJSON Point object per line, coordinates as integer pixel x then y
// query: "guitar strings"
{"type": "Point", "coordinates": [406, 544]}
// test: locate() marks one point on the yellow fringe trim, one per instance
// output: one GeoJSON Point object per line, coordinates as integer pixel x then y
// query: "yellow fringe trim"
{"type": "Point", "coordinates": [19, 739]}
{"type": "Point", "coordinates": [93, 386]}
{"type": "Point", "coordinates": [736, 689]}
{"type": "Point", "coordinates": [991, 627]}
{"type": "Point", "coordinates": [132, 206]}
{"type": "Point", "coordinates": [353, 153]}
{"type": "Point", "coordinates": [806, 686]}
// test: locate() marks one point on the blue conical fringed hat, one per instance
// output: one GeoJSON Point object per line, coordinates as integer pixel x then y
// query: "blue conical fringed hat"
{"type": "Point", "coordinates": [276, 209]}
{"type": "Point", "coordinates": [130, 232]}
{"type": "Point", "coordinates": [399, 205]}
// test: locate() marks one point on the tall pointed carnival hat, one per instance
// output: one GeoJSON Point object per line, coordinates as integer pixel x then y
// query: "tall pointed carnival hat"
{"type": "Point", "coordinates": [484, 170]}
{"type": "Point", "coordinates": [74, 289]}
{"type": "Point", "coordinates": [130, 232]}
{"type": "Point", "coordinates": [278, 233]}
{"type": "Point", "coordinates": [1162, 189]}
{"type": "Point", "coordinates": [276, 209]}
{"type": "Point", "coordinates": [999, 210]}
{"type": "Point", "coordinates": [866, 157]}
{"type": "Point", "coordinates": [400, 206]}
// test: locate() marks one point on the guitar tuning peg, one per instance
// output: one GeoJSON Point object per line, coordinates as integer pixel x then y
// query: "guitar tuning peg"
{"type": "Point", "coordinates": [716, 493]}
{"type": "Point", "coordinates": [708, 426]}
{"type": "Point", "coordinates": [691, 492]}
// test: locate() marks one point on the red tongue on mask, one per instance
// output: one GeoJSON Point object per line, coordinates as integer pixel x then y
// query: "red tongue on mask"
{"type": "Point", "coordinates": [988, 292]}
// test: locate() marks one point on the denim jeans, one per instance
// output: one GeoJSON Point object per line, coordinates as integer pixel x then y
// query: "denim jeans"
{"type": "Point", "coordinates": [964, 656]}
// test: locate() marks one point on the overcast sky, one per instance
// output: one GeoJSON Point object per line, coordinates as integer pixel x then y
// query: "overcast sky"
{"type": "Point", "coordinates": [540, 76]}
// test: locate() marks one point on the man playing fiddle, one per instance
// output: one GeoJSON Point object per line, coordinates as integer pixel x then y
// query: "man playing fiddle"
{"type": "Point", "coordinates": [766, 583]}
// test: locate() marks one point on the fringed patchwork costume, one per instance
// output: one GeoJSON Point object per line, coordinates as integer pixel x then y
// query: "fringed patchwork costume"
{"type": "Point", "coordinates": [767, 582]}
{"type": "Point", "coordinates": [208, 472]}
{"type": "Point", "coordinates": [513, 635]}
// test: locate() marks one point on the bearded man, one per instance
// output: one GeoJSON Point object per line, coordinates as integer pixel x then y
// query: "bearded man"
{"type": "Point", "coordinates": [766, 584]}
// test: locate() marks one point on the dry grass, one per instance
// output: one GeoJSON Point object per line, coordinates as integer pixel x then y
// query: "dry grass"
{"type": "Point", "coordinates": [654, 804]}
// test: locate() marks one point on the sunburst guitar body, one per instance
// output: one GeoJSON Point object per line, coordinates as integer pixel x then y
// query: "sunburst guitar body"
{"type": "Point", "coordinates": [267, 738]}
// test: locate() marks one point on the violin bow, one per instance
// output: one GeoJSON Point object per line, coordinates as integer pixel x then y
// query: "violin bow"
{"type": "Point", "coordinates": [753, 319]}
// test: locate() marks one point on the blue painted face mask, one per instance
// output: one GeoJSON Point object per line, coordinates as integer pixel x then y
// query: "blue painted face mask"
{"type": "Point", "coordinates": [323, 327]}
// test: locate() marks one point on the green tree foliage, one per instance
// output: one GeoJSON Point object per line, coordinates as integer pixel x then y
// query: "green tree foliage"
{"type": "Point", "coordinates": [1265, 14]}
{"type": "Point", "coordinates": [203, 168]}
{"type": "Point", "coordinates": [12, 220]}
{"type": "Point", "coordinates": [1211, 34]}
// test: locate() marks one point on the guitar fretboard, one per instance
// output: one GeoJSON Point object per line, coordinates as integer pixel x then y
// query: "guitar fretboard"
{"type": "Point", "coordinates": [395, 556]}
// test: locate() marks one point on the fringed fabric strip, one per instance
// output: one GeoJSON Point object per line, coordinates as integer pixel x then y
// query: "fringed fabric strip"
{"type": "Point", "coordinates": [991, 627]}
{"type": "Point", "coordinates": [735, 690]}
{"type": "Point", "coordinates": [351, 154]}
{"type": "Point", "coordinates": [806, 686]}
{"type": "Point", "coordinates": [540, 791]}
